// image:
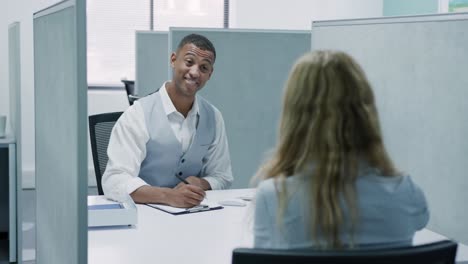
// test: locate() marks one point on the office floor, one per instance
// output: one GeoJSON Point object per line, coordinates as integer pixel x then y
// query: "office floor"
{"type": "Point", "coordinates": [29, 228]}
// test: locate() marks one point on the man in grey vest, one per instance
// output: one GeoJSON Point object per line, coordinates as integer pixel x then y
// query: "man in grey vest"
{"type": "Point", "coordinates": [171, 137]}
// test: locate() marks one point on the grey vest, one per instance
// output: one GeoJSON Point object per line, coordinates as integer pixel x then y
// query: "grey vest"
{"type": "Point", "coordinates": [164, 156]}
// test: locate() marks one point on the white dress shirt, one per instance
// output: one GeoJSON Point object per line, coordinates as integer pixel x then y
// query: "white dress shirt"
{"type": "Point", "coordinates": [127, 148]}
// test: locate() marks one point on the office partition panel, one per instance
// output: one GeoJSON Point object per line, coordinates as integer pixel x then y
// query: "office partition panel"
{"type": "Point", "coordinates": [246, 86]}
{"type": "Point", "coordinates": [61, 129]}
{"type": "Point", "coordinates": [417, 67]}
{"type": "Point", "coordinates": [14, 66]}
{"type": "Point", "coordinates": [152, 61]}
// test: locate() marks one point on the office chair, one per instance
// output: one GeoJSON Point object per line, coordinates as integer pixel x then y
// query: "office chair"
{"type": "Point", "coordinates": [100, 128]}
{"type": "Point", "coordinates": [130, 89]}
{"type": "Point", "coordinates": [441, 252]}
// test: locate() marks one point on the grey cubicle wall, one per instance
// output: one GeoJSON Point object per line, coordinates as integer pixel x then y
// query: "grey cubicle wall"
{"type": "Point", "coordinates": [151, 60]}
{"type": "Point", "coordinates": [247, 84]}
{"type": "Point", "coordinates": [14, 66]}
{"type": "Point", "coordinates": [417, 66]}
{"type": "Point", "coordinates": [60, 125]}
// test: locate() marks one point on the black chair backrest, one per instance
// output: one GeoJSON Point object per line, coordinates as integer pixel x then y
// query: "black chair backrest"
{"type": "Point", "coordinates": [130, 89]}
{"type": "Point", "coordinates": [442, 252]}
{"type": "Point", "coordinates": [100, 128]}
{"type": "Point", "coordinates": [129, 86]}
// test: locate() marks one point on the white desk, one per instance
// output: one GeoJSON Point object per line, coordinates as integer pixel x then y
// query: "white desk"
{"type": "Point", "coordinates": [428, 236]}
{"type": "Point", "coordinates": [159, 237]}
{"type": "Point", "coordinates": [207, 237]}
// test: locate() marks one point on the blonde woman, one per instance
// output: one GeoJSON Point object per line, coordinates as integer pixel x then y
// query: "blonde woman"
{"type": "Point", "coordinates": [330, 182]}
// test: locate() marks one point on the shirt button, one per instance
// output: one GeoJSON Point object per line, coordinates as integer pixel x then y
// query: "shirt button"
{"type": "Point", "coordinates": [183, 160]}
{"type": "Point", "coordinates": [180, 173]}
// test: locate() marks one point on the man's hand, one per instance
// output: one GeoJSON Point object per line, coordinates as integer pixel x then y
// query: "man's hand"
{"type": "Point", "coordinates": [185, 196]}
{"type": "Point", "coordinates": [197, 181]}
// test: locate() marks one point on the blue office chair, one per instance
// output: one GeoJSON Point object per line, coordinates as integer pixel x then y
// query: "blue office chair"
{"type": "Point", "coordinates": [442, 252]}
{"type": "Point", "coordinates": [100, 128]}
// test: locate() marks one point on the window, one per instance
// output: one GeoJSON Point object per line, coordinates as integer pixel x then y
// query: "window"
{"type": "Point", "coordinates": [111, 26]}
{"type": "Point", "coordinates": [453, 6]}
{"type": "Point", "coordinates": [188, 13]}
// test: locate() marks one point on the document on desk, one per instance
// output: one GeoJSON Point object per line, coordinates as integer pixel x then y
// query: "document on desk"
{"type": "Point", "coordinates": [203, 207]}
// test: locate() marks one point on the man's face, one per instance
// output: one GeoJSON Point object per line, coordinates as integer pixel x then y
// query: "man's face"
{"type": "Point", "coordinates": [192, 69]}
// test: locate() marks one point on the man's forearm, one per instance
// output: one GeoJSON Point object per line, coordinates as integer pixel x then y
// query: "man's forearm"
{"type": "Point", "coordinates": [151, 194]}
{"type": "Point", "coordinates": [185, 196]}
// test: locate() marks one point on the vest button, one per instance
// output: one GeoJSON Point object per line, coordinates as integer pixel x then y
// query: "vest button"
{"type": "Point", "coordinates": [180, 173]}
{"type": "Point", "coordinates": [183, 160]}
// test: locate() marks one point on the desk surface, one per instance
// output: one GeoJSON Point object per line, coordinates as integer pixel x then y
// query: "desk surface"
{"type": "Point", "coordinates": [207, 237]}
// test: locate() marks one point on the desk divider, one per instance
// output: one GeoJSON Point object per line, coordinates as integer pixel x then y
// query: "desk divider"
{"type": "Point", "coordinates": [14, 66]}
{"type": "Point", "coordinates": [151, 60]}
{"type": "Point", "coordinates": [61, 133]}
{"type": "Point", "coordinates": [417, 67]}
{"type": "Point", "coordinates": [247, 85]}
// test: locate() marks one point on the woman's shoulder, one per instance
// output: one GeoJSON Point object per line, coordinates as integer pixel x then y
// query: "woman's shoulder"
{"type": "Point", "coordinates": [398, 185]}
{"type": "Point", "coordinates": [271, 186]}
{"type": "Point", "coordinates": [375, 176]}
{"type": "Point", "coordinates": [266, 186]}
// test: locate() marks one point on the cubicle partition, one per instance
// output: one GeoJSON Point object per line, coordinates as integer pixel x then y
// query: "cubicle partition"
{"type": "Point", "coordinates": [247, 84]}
{"type": "Point", "coordinates": [14, 193]}
{"type": "Point", "coordinates": [14, 66]}
{"type": "Point", "coordinates": [60, 128]}
{"type": "Point", "coordinates": [151, 60]}
{"type": "Point", "coordinates": [417, 67]}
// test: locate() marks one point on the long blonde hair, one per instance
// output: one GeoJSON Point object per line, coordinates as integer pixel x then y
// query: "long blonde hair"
{"type": "Point", "coordinates": [329, 120]}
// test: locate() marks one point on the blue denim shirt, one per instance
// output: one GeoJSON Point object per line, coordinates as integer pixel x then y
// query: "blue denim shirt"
{"type": "Point", "coordinates": [391, 210]}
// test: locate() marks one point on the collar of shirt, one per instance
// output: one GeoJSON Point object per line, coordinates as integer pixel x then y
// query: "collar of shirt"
{"type": "Point", "coordinates": [169, 107]}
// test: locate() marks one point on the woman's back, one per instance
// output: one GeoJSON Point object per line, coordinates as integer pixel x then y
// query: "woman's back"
{"type": "Point", "coordinates": [390, 210]}
{"type": "Point", "coordinates": [329, 119]}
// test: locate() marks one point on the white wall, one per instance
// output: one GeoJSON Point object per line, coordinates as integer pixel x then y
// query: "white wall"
{"type": "Point", "coordinates": [297, 14]}
{"type": "Point", "coordinates": [22, 11]}
{"type": "Point", "coordinates": [266, 14]}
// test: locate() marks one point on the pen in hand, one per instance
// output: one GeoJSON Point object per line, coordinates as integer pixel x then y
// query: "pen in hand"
{"type": "Point", "coordinates": [186, 182]}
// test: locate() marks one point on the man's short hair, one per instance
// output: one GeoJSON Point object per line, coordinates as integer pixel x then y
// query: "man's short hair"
{"type": "Point", "coordinates": [198, 40]}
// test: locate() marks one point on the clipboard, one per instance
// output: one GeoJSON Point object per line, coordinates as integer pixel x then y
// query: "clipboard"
{"type": "Point", "coordinates": [205, 206]}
